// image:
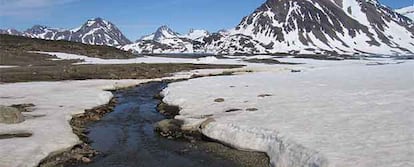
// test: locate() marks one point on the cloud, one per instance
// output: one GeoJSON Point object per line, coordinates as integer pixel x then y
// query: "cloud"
{"type": "Point", "coordinates": [22, 7]}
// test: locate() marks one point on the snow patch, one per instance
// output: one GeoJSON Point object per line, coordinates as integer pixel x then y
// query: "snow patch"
{"type": "Point", "coordinates": [58, 101]}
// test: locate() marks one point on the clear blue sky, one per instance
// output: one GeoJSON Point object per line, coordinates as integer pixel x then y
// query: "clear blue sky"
{"type": "Point", "coordinates": [135, 17]}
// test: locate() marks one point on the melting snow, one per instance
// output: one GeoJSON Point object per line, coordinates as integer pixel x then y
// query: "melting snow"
{"type": "Point", "coordinates": [56, 102]}
{"type": "Point", "coordinates": [331, 114]}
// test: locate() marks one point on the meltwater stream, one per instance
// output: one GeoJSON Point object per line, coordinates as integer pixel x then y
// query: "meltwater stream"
{"type": "Point", "coordinates": [126, 137]}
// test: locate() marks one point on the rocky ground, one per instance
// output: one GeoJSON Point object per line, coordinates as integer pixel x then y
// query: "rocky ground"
{"type": "Point", "coordinates": [10, 45]}
{"type": "Point", "coordinates": [62, 71]}
{"type": "Point", "coordinates": [29, 66]}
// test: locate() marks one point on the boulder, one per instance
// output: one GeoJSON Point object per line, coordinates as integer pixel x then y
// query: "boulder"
{"type": "Point", "coordinates": [10, 115]}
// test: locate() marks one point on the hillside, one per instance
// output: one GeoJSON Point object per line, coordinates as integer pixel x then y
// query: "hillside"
{"type": "Point", "coordinates": [11, 46]}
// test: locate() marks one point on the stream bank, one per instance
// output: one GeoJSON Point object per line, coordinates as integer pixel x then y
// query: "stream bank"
{"type": "Point", "coordinates": [122, 134]}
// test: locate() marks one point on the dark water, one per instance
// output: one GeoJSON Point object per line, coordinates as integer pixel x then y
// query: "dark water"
{"type": "Point", "coordinates": [126, 137]}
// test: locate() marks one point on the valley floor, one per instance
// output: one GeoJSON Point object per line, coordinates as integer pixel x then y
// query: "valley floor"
{"type": "Point", "coordinates": [323, 113]}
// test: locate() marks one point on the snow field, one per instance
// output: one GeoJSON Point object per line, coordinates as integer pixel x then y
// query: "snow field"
{"type": "Point", "coordinates": [332, 114]}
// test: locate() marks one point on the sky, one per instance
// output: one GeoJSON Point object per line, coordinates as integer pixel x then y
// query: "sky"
{"type": "Point", "coordinates": [135, 18]}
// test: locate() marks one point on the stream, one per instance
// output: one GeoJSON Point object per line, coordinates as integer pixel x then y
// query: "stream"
{"type": "Point", "coordinates": [126, 137]}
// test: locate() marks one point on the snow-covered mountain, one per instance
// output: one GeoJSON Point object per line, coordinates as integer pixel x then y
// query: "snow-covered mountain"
{"type": "Point", "coordinates": [299, 27]}
{"type": "Point", "coordinates": [165, 40]}
{"type": "Point", "coordinates": [318, 26]}
{"type": "Point", "coordinates": [95, 31]}
{"type": "Point", "coordinates": [407, 11]}
{"type": "Point", "coordinates": [101, 32]}
{"type": "Point", "coordinates": [277, 26]}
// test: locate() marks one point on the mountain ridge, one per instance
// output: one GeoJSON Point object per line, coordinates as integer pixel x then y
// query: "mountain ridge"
{"type": "Point", "coordinates": [344, 27]}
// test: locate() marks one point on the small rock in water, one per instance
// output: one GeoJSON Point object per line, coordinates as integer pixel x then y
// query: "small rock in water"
{"type": "Point", "coordinates": [10, 115]}
{"type": "Point", "coordinates": [296, 71]}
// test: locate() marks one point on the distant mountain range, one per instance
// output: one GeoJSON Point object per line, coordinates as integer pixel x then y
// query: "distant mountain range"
{"type": "Point", "coordinates": [95, 31]}
{"type": "Point", "coordinates": [278, 26]}
{"type": "Point", "coordinates": [165, 40]}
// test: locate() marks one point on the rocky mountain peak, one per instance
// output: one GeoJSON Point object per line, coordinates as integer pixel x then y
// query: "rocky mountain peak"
{"type": "Point", "coordinates": [98, 22]}
{"type": "Point", "coordinates": [164, 32]}
{"type": "Point", "coordinates": [101, 32]}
